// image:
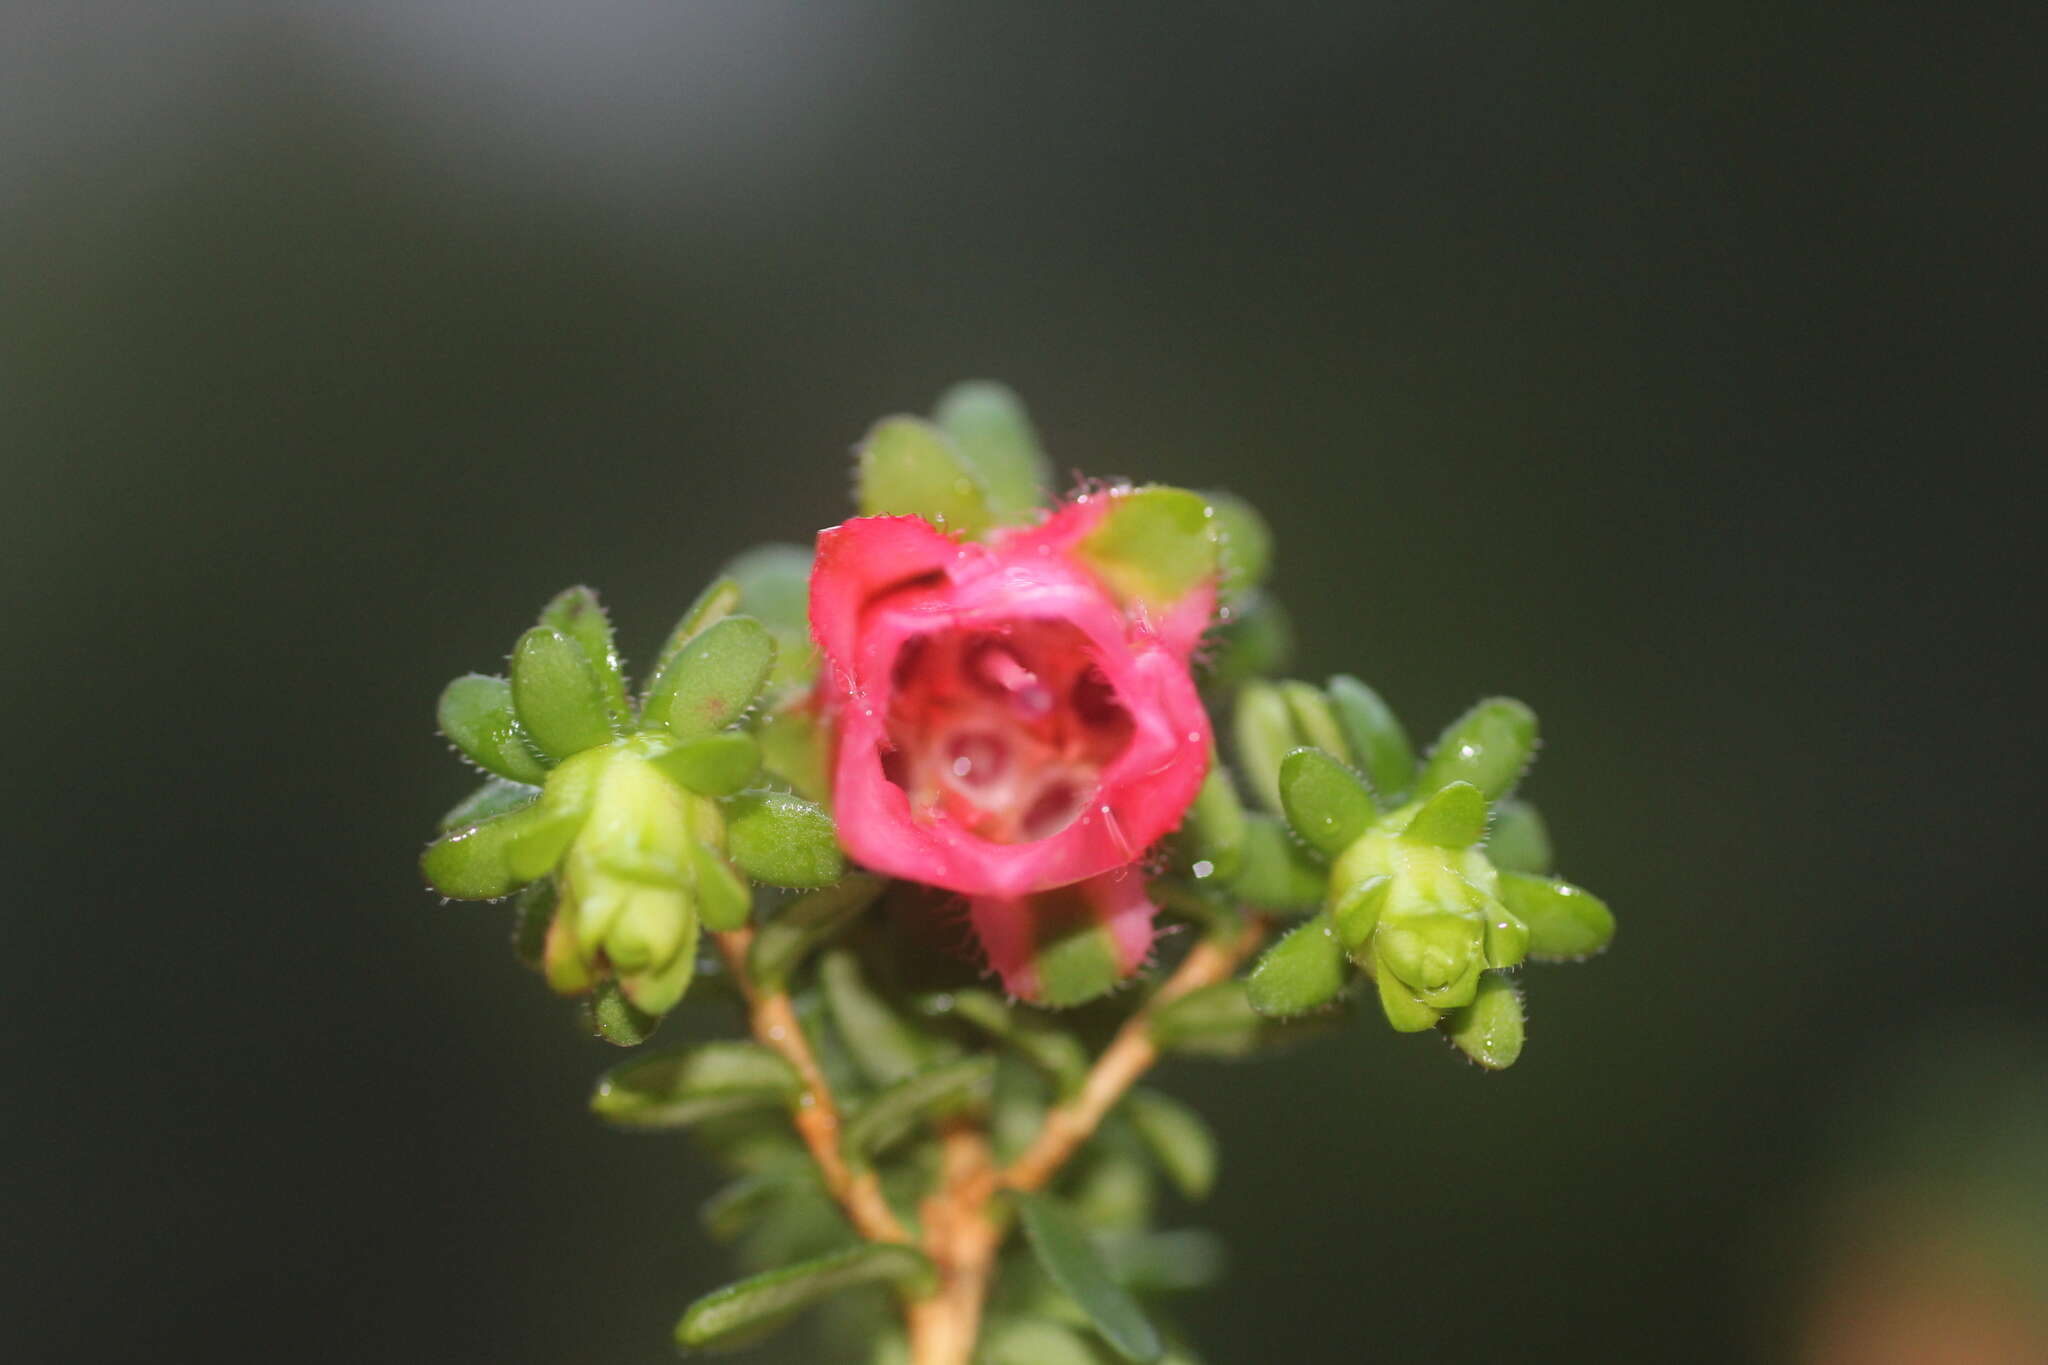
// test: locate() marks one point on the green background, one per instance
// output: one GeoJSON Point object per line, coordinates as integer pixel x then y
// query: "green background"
{"type": "Point", "coordinates": [1663, 366]}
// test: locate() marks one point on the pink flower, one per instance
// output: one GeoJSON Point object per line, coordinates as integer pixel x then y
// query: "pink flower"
{"type": "Point", "coordinates": [1004, 723]}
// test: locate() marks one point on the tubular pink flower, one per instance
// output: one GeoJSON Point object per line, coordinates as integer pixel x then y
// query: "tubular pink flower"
{"type": "Point", "coordinates": [1003, 723]}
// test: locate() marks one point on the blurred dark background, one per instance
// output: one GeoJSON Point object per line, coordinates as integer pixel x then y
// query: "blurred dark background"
{"type": "Point", "coordinates": [1673, 367]}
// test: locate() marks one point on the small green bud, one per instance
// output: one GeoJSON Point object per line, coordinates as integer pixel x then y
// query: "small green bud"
{"type": "Point", "coordinates": [1355, 911]}
{"type": "Point", "coordinates": [561, 701]}
{"type": "Point", "coordinates": [1406, 1013]}
{"type": "Point", "coordinates": [476, 715]}
{"type": "Point", "coordinates": [1376, 736]}
{"type": "Point", "coordinates": [618, 1020]}
{"type": "Point", "coordinates": [1507, 937]}
{"type": "Point", "coordinates": [1326, 803]}
{"type": "Point", "coordinates": [1428, 952]}
{"type": "Point", "coordinates": [1489, 746]}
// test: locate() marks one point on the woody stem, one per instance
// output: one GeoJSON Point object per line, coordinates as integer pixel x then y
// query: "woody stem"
{"type": "Point", "coordinates": [816, 1117]}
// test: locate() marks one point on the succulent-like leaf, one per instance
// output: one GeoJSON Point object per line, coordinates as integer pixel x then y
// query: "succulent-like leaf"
{"type": "Point", "coordinates": [1489, 1030]}
{"type": "Point", "coordinates": [577, 613]}
{"type": "Point", "coordinates": [1314, 719]}
{"type": "Point", "coordinates": [1377, 739]}
{"type": "Point", "coordinates": [1565, 922]}
{"type": "Point", "coordinates": [676, 1089]}
{"type": "Point", "coordinates": [908, 467]}
{"type": "Point", "coordinates": [1178, 1139]}
{"type": "Point", "coordinates": [475, 713]}
{"type": "Point", "coordinates": [1254, 639]}
{"type": "Point", "coordinates": [532, 913]}
{"type": "Point", "coordinates": [804, 924]}
{"type": "Point", "coordinates": [474, 863]}
{"type": "Point", "coordinates": [1325, 802]}
{"type": "Point", "coordinates": [723, 897]}
{"type": "Point", "coordinates": [1302, 972]}
{"type": "Point", "coordinates": [713, 679]}
{"type": "Point", "coordinates": [617, 1019]}
{"type": "Point", "coordinates": [937, 1090]}
{"type": "Point", "coordinates": [1212, 834]}
{"type": "Point", "coordinates": [783, 840]}
{"type": "Point", "coordinates": [990, 429]}
{"type": "Point", "coordinates": [1164, 1262]}
{"type": "Point", "coordinates": [1489, 746]}
{"type": "Point", "coordinates": [752, 1308]}
{"type": "Point", "coordinates": [1035, 1341]}
{"type": "Point", "coordinates": [494, 798]}
{"type": "Point", "coordinates": [1264, 730]}
{"type": "Point", "coordinates": [1406, 1013]}
{"type": "Point", "coordinates": [737, 1206]}
{"type": "Point", "coordinates": [561, 701]}
{"type": "Point", "coordinates": [884, 1046]}
{"type": "Point", "coordinates": [1276, 873]}
{"type": "Point", "coordinates": [775, 589]}
{"type": "Point", "coordinates": [1154, 545]}
{"type": "Point", "coordinates": [712, 765]}
{"type": "Point", "coordinates": [1245, 542]}
{"type": "Point", "coordinates": [1355, 911]}
{"type": "Point", "coordinates": [1066, 1254]}
{"type": "Point", "coordinates": [1453, 818]}
{"type": "Point", "coordinates": [1053, 1050]}
{"type": "Point", "coordinates": [1518, 840]}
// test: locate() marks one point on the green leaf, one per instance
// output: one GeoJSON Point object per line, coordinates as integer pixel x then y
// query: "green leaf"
{"type": "Point", "coordinates": [775, 589]}
{"type": "Point", "coordinates": [1489, 746]}
{"type": "Point", "coordinates": [1403, 1010]}
{"type": "Point", "coordinates": [1035, 1341]}
{"type": "Point", "coordinates": [1302, 972]}
{"type": "Point", "coordinates": [1164, 1262]}
{"type": "Point", "coordinates": [712, 765]}
{"type": "Point", "coordinates": [1518, 840]}
{"type": "Point", "coordinates": [750, 1309]}
{"type": "Point", "coordinates": [1565, 922]}
{"type": "Point", "coordinates": [1276, 873]}
{"type": "Point", "coordinates": [576, 613]}
{"type": "Point", "coordinates": [1213, 831]}
{"type": "Point", "coordinates": [723, 898]}
{"type": "Point", "coordinates": [908, 467]}
{"type": "Point", "coordinates": [713, 679]}
{"type": "Point", "coordinates": [796, 750]}
{"type": "Point", "coordinates": [617, 1019]}
{"type": "Point", "coordinates": [494, 798]}
{"type": "Point", "coordinates": [1376, 736]}
{"type": "Point", "coordinates": [1355, 911]}
{"type": "Point", "coordinates": [474, 863]}
{"type": "Point", "coordinates": [1215, 1021]}
{"type": "Point", "coordinates": [1263, 726]}
{"type": "Point", "coordinates": [718, 600]}
{"type": "Point", "coordinates": [738, 1206]}
{"type": "Point", "coordinates": [1066, 1254]}
{"type": "Point", "coordinates": [1244, 543]}
{"type": "Point", "coordinates": [939, 1090]}
{"type": "Point", "coordinates": [1314, 719]}
{"type": "Point", "coordinates": [475, 714]}
{"type": "Point", "coordinates": [1054, 1051]}
{"type": "Point", "coordinates": [676, 1089]}
{"type": "Point", "coordinates": [1325, 801]}
{"type": "Point", "coordinates": [989, 428]}
{"type": "Point", "coordinates": [1454, 818]}
{"type": "Point", "coordinates": [783, 840]}
{"type": "Point", "coordinates": [1489, 1030]}
{"type": "Point", "coordinates": [532, 913]}
{"type": "Point", "coordinates": [1178, 1139]}
{"type": "Point", "coordinates": [1154, 545]}
{"type": "Point", "coordinates": [1254, 638]}
{"type": "Point", "coordinates": [804, 924]}
{"type": "Point", "coordinates": [559, 697]}
{"type": "Point", "coordinates": [886, 1048]}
